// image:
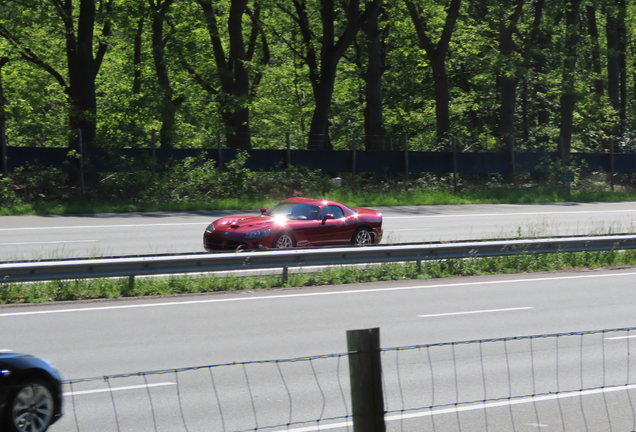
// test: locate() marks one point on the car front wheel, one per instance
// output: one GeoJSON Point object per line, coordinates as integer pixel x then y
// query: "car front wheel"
{"type": "Point", "coordinates": [362, 237]}
{"type": "Point", "coordinates": [30, 408]}
{"type": "Point", "coordinates": [284, 241]}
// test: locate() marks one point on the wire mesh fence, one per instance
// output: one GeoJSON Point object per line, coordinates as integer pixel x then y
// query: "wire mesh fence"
{"type": "Point", "coordinates": [581, 381]}
{"type": "Point", "coordinates": [569, 382]}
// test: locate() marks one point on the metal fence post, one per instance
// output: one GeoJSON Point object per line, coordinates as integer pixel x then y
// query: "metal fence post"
{"type": "Point", "coordinates": [513, 163]}
{"type": "Point", "coordinates": [288, 150]}
{"type": "Point", "coordinates": [611, 142]}
{"type": "Point", "coordinates": [219, 152]}
{"type": "Point", "coordinates": [153, 150]}
{"type": "Point", "coordinates": [406, 157]}
{"type": "Point", "coordinates": [354, 146]}
{"type": "Point", "coordinates": [365, 369]}
{"type": "Point", "coordinates": [81, 159]}
{"type": "Point", "coordinates": [454, 145]}
{"type": "Point", "coordinates": [3, 145]}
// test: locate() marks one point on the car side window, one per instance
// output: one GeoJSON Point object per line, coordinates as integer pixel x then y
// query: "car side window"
{"type": "Point", "coordinates": [334, 210]}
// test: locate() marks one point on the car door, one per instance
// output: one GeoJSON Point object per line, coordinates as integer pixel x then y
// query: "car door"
{"type": "Point", "coordinates": [334, 231]}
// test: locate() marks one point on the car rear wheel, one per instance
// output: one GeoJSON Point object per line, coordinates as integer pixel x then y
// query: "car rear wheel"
{"type": "Point", "coordinates": [284, 240]}
{"type": "Point", "coordinates": [30, 408]}
{"type": "Point", "coordinates": [362, 237]}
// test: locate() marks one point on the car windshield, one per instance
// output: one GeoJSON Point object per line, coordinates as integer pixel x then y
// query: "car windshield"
{"type": "Point", "coordinates": [292, 210]}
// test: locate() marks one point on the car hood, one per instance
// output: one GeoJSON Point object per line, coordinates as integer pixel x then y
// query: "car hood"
{"type": "Point", "coordinates": [245, 222]}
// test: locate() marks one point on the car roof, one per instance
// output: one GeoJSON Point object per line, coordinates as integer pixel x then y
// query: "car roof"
{"type": "Point", "coordinates": [315, 201]}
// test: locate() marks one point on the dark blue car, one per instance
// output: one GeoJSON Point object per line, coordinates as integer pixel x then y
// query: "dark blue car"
{"type": "Point", "coordinates": [30, 393]}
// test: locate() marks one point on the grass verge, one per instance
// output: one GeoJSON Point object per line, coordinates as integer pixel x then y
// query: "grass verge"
{"type": "Point", "coordinates": [349, 196]}
{"type": "Point", "coordinates": [85, 289]}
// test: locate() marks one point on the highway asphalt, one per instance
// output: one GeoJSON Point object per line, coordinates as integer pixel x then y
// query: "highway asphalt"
{"type": "Point", "coordinates": [99, 235]}
{"type": "Point", "coordinates": [105, 337]}
{"type": "Point", "coordinates": [93, 339]}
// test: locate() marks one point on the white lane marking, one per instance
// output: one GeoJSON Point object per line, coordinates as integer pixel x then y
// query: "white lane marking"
{"type": "Point", "coordinates": [546, 213]}
{"type": "Point", "coordinates": [408, 229]}
{"type": "Point", "coordinates": [475, 407]}
{"type": "Point", "coordinates": [114, 389]}
{"type": "Point", "coordinates": [5, 350]}
{"type": "Point", "coordinates": [47, 242]}
{"type": "Point", "coordinates": [102, 226]}
{"type": "Point", "coordinates": [474, 312]}
{"type": "Point", "coordinates": [620, 337]}
{"type": "Point", "coordinates": [315, 294]}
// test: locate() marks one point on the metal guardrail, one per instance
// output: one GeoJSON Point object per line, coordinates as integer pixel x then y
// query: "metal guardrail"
{"type": "Point", "coordinates": [197, 263]}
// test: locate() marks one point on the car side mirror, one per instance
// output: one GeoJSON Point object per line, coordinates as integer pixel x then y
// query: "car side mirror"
{"type": "Point", "coordinates": [327, 216]}
{"type": "Point", "coordinates": [263, 211]}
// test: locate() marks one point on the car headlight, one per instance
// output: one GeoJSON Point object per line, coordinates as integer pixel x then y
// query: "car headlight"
{"type": "Point", "coordinates": [259, 233]}
{"type": "Point", "coordinates": [210, 228]}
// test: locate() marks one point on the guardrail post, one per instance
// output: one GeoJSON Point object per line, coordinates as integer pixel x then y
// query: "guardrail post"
{"type": "Point", "coordinates": [365, 372]}
{"type": "Point", "coordinates": [285, 274]}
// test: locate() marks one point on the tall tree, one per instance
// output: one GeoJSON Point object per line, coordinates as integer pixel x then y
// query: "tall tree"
{"type": "Point", "coordinates": [83, 56]}
{"type": "Point", "coordinates": [233, 50]}
{"type": "Point", "coordinates": [168, 103]}
{"type": "Point", "coordinates": [568, 76]}
{"type": "Point", "coordinates": [616, 73]}
{"type": "Point", "coordinates": [537, 62]}
{"type": "Point", "coordinates": [436, 54]}
{"type": "Point", "coordinates": [374, 129]}
{"type": "Point", "coordinates": [509, 72]}
{"type": "Point", "coordinates": [324, 64]}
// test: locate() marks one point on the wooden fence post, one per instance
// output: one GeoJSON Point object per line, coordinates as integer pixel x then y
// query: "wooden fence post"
{"type": "Point", "coordinates": [365, 372]}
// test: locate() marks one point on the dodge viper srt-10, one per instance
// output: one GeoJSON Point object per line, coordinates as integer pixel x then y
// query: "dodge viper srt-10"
{"type": "Point", "coordinates": [30, 393]}
{"type": "Point", "coordinates": [296, 222]}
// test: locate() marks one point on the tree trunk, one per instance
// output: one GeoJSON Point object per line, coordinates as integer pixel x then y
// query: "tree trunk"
{"type": "Point", "coordinates": [86, 73]}
{"type": "Point", "coordinates": [509, 75]}
{"type": "Point", "coordinates": [137, 48]}
{"type": "Point", "coordinates": [331, 51]}
{"type": "Point", "coordinates": [436, 54]}
{"type": "Point", "coordinates": [539, 42]}
{"type": "Point", "coordinates": [3, 121]}
{"type": "Point", "coordinates": [596, 49]}
{"type": "Point", "coordinates": [236, 89]}
{"type": "Point", "coordinates": [568, 100]}
{"type": "Point", "coordinates": [616, 74]}
{"type": "Point", "coordinates": [374, 130]}
{"type": "Point", "coordinates": [167, 104]}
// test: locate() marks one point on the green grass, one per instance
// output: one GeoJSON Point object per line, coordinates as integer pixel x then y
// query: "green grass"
{"type": "Point", "coordinates": [366, 197]}
{"type": "Point", "coordinates": [84, 289]}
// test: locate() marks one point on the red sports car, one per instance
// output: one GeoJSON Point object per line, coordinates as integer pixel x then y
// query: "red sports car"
{"type": "Point", "coordinates": [296, 222]}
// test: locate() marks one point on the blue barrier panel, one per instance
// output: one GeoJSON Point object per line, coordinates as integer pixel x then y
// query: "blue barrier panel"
{"type": "Point", "coordinates": [328, 161]}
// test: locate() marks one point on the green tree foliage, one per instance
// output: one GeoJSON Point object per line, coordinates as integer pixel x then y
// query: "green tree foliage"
{"type": "Point", "coordinates": [535, 73]}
